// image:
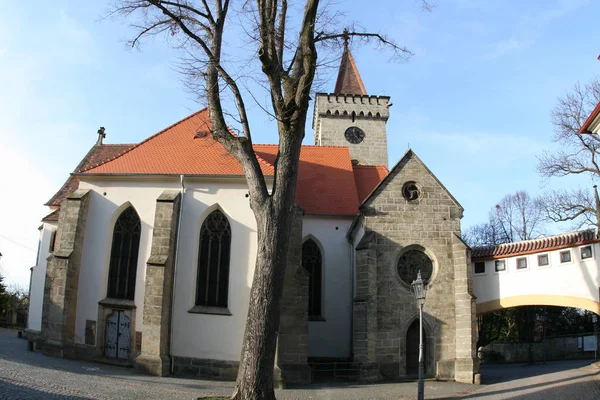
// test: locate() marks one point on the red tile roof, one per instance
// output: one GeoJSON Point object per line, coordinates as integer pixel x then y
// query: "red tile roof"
{"type": "Point", "coordinates": [326, 183]}
{"type": "Point", "coordinates": [349, 80]}
{"type": "Point", "coordinates": [586, 125]}
{"type": "Point", "coordinates": [96, 155]}
{"type": "Point", "coordinates": [177, 150]}
{"type": "Point", "coordinates": [367, 177]}
{"type": "Point", "coordinates": [535, 245]}
{"type": "Point", "coordinates": [325, 179]}
{"type": "Point", "coordinates": [52, 217]}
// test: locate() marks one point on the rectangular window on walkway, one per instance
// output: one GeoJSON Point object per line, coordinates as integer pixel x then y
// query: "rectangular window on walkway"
{"type": "Point", "coordinates": [500, 265]}
{"type": "Point", "coordinates": [543, 260]}
{"type": "Point", "coordinates": [565, 256]}
{"type": "Point", "coordinates": [480, 267]}
{"type": "Point", "coordinates": [522, 263]}
{"type": "Point", "coordinates": [586, 252]}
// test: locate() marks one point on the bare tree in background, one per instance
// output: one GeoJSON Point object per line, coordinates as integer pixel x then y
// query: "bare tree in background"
{"type": "Point", "coordinates": [288, 61]}
{"type": "Point", "coordinates": [517, 216]}
{"type": "Point", "coordinates": [579, 155]}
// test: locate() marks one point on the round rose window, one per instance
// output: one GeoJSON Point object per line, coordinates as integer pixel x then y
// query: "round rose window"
{"type": "Point", "coordinates": [411, 262]}
{"type": "Point", "coordinates": [411, 191]}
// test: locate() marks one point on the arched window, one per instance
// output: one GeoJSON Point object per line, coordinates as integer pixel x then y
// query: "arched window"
{"type": "Point", "coordinates": [213, 261]}
{"type": "Point", "coordinates": [124, 255]}
{"type": "Point", "coordinates": [311, 261]}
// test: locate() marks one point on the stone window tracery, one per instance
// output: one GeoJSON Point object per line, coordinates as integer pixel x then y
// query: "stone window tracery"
{"type": "Point", "coordinates": [312, 263]}
{"type": "Point", "coordinates": [411, 262]}
{"type": "Point", "coordinates": [124, 256]}
{"type": "Point", "coordinates": [411, 191]}
{"type": "Point", "coordinates": [213, 261]}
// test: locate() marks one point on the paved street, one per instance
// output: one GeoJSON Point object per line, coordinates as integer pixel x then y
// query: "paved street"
{"type": "Point", "coordinates": [26, 375]}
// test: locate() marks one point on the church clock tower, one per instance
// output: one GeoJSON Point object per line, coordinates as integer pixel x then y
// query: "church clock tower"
{"type": "Point", "coordinates": [350, 117]}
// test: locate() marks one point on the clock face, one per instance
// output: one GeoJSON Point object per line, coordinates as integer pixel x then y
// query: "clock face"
{"type": "Point", "coordinates": [354, 135]}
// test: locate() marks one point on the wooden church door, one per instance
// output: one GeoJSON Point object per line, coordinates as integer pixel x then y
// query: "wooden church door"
{"type": "Point", "coordinates": [118, 335]}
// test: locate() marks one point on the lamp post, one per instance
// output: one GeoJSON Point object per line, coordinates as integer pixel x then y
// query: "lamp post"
{"type": "Point", "coordinates": [420, 287]}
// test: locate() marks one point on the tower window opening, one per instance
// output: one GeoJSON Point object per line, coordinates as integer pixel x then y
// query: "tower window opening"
{"type": "Point", "coordinates": [353, 116]}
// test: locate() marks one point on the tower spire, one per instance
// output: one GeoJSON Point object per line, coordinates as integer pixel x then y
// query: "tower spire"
{"type": "Point", "coordinates": [348, 79]}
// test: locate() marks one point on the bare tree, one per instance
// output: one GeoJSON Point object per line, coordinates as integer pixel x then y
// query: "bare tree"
{"type": "Point", "coordinates": [516, 217]}
{"type": "Point", "coordinates": [578, 155]}
{"type": "Point", "coordinates": [288, 61]}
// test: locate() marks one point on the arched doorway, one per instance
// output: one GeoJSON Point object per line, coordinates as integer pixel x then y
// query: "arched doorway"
{"type": "Point", "coordinates": [412, 349]}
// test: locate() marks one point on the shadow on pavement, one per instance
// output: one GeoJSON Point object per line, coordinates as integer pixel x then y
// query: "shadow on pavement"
{"type": "Point", "coordinates": [12, 390]}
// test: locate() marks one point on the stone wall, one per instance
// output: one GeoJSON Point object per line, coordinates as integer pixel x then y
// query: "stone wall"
{"type": "Point", "coordinates": [155, 350]}
{"type": "Point", "coordinates": [62, 278]}
{"type": "Point", "coordinates": [333, 115]}
{"type": "Point", "coordinates": [394, 225]}
{"type": "Point", "coordinates": [467, 363]}
{"type": "Point", "coordinates": [553, 349]}
{"type": "Point", "coordinates": [205, 368]}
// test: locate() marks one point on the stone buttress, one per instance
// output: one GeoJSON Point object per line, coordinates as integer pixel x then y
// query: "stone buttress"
{"type": "Point", "coordinates": [62, 278]}
{"type": "Point", "coordinates": [155, 351]}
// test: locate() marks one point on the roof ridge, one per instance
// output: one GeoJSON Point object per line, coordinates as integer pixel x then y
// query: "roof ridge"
{"type": "Point", "coordinates": [546, 243]}
{"type": "Point", "coordinates": [368, 166]}
{"type": "Point", "coordinates": [304, 145]}
{"type": "Point", "coordinates": [148, 139]}
{"type": "Point", "coordinates": [537, 240]}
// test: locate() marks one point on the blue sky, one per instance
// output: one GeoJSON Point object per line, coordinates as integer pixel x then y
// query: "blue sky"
{"type": "Point", "coordinates": [473, 102]}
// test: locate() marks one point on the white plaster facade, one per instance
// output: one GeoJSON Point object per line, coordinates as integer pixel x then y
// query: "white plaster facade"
{"type": "Point", "coordinates": [331, 337]}
{"type": "Point", "coordinates": [199, 335]}
{"type": "Point", "coordinates": [573, 283]}
{"type": "Point", "coordinates": [38, 278]}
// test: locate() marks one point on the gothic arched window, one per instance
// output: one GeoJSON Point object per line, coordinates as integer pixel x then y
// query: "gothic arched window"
{"type": "Point", "coordinates": [124, 255]}
{"type": "Point", "coordinates": [213, 261]}
{"type": "Point", "coordinates": [312, 262]}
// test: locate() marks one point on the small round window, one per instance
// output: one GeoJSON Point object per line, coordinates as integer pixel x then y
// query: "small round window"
{"type": "Point", "coordinates": [411, 191]}
{"type": "Point", "coordinates": [411, 262]}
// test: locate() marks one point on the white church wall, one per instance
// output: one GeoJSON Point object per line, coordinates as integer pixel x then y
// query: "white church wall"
{"type": "Point", "coordinates": [577, 279]}
{"type": "Point", "coordinates": [108, 199]}
{"type": "Point", "coordinates": [38, 279]}
{"type": "Point", "coordinates": [332, 336]}
{"type": "Point", "coordinates": [208, 336]}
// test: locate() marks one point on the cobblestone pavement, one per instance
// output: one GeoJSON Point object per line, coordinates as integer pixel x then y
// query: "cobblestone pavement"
{"type": "Point", "coordinates": [31, 375]}
{"type": "Point", "coordinates": [569, 380]}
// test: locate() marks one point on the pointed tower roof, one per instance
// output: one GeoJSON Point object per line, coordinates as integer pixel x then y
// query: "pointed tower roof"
{"type": "Point", "coordinates": [348, 80]}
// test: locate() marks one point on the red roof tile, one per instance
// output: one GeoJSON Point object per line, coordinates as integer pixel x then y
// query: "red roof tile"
{"type": "Point", "coordinates": [349, 80]}
{"type": "Point", "coordinates": [96, 155]}
{"type": "Point", "coordinates": [586, 125]}
{"type": "Point", "coordinates": [367, 177]}
{"type": "Point", "coordinates": [325, 177]}
{"type": "Point", "coordinates": [534, 246]}
{"type": "Point", "coordinates": [177, 150]}
{"type": "Point", "coordinates": [52, 217]}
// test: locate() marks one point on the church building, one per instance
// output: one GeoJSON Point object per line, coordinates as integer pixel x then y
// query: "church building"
{"type": "Point", "coordinates": [147, 255]}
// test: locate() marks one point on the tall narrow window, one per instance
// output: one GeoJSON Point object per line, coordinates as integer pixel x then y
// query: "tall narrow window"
{"type": "Point", "coordinates": [213, 261]}
{"type": "Point", "coordinates": [312, 262]}
{"type": "Point", "coordinates": [124, 255]}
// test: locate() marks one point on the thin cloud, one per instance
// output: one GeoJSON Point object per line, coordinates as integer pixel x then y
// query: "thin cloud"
{"type": "Point", "coordinates": [530, 28]}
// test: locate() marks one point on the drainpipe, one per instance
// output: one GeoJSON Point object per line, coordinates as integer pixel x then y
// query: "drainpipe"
{"type": "Point", "coordinates": [181, 177]}
{"type": "Point", "coordinates": [351, 240]}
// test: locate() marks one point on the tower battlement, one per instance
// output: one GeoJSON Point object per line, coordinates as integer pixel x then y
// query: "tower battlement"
{"type": "Point", "coordinates": [343, 105]}
{"type": "Point", "coordinates": [350, 117]}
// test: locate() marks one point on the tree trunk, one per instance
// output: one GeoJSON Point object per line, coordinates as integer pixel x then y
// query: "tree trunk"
{"type": "Point", "coordinates": [273, 221]}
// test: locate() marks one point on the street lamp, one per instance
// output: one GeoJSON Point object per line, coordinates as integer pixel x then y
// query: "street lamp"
{"type": "Point", "coordinates": [420, 287]}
